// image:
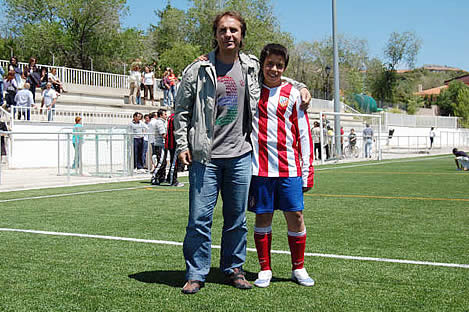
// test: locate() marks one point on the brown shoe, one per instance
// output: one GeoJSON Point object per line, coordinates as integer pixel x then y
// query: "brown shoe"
{"type": "Point", "coordinates": [192, 287]}
{"type": "Point", "coordinates": [238, 280]}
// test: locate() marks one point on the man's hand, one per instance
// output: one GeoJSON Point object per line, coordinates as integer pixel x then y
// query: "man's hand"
{"type": "Point", "coordinates": [202, 58]}
{"type": "Point", "coordinates": [185, 157]}
{"type": "Point", "coordinates": [306, 189]}
{"type": "Point", "coordinates": [305, 99]}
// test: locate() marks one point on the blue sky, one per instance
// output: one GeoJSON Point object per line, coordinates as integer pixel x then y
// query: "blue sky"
{"type": "Point", "coordinates": [443, 26]}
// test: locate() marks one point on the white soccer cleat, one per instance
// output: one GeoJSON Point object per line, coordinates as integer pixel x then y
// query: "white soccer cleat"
{"type": "Point", "coordinates": [263, 279]}
{"type": "Point", "coordinates": [301, 277]}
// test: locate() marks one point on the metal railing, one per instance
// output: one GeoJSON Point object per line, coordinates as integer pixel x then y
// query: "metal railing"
{"type": "Point", "coordinates": [60, 114]}
{"type": "Point", "coordinates": [83, 76]}
{"type": "Point", "coordinates": [91, 152]}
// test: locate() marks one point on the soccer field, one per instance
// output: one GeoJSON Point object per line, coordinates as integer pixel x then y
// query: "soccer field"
{"type": "Point", "coordinates": [387, 236]}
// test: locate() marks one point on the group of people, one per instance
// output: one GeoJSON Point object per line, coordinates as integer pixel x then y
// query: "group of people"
{"type": "Point", "coordinates": [145, 81]}
{"type": "Point", "coordinates": [18, 88]}
{"type": "Point", "coordinates": [155, 131]}
{"type": "Point", "coordinates": [242, 129]}
{"type": "Point", "coordinates": [141, 81]}
{"type": "Point", "coordinates": [328, 138]}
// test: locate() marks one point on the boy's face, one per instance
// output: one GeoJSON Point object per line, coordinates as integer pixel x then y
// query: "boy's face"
{"type": "Point", "coordinates": [273, 68]}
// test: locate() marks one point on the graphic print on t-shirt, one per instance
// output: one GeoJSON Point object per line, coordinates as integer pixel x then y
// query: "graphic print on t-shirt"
{"type": "Point", "coordinates": [229, 101]}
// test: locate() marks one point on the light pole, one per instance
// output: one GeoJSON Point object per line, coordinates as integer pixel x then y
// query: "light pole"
{"type": "Point", "coordinates": [53, 58]}
{"type": "Point", "coordinates": [328, 72]}
{"type": "Point", "coordinates": [338, 148]}
{"type": "Point", "coordinates": [11, 51]}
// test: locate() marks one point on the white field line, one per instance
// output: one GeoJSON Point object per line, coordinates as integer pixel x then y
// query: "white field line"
{"type": "Point", "coordinates": [143, 187]}
{"type": "Point", "coordinates": [382, 163]}
{"type": "Point", "coordinates": [74, 194]}
{"type": "Point", "coordinates": [308, 254]}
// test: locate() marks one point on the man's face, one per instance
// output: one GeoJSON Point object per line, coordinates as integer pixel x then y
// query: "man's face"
{"type": "Point", "coordinates": [164, 116]}
{"type": "Point", "coordinates": [48, 85]}
{"type": "Point", "coordinates": [272, 69]}
{"type": "Point", "coordinates": [228, 34]}
{"type": "Point", "coordinates": [147, 119]}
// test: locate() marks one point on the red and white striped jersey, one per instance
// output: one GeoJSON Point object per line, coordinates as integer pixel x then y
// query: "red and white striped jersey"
{"type": "Point", "coordinates": [281, 139]}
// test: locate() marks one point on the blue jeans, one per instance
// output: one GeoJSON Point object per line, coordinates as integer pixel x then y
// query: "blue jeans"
{"type": "Point", "coordinates": [138, 154]}
{"type": "Point", "coordinates": [232, 177]}
{"type": "Point", "coordinates": [144, 153]}
{"type": "Point", "coordinates": [173, 95]}
{"type": "Point", "coordinates": [166, 101]}
{"type": "Point", "coordinates": [50, 114]}
{"type": "Point", "coordinates": [368, 147]}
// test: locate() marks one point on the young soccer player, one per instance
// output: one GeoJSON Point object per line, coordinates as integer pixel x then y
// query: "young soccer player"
{"type": "Point", "coordinates": [282, 165]}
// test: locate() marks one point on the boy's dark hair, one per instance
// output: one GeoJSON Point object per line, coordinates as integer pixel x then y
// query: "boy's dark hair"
{"type": "Point", "coordinates": [455, 150]}
{"type": "Point", "coordinates": [234, 15]}
{"type": "Point", "coordinates": [160, 112]}
{"type": "Point", "coordinates": [274, 48]}
{"type": "Point", "coordinates": [136, 114]}
{"type": "Point", "coordinates": [146, 115]}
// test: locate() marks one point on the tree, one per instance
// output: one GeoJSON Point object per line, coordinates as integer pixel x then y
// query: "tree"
{"type": "Point", "coordinates": [461, 106]}
{"type": "Point", "coordinates": [75, 31]}
{"type": "Point", "coordinates": [179, 56]}
{"type": "Point", "coordinates": [399, 48]}
{"type": "Point", "coordinates": [171, 30]}
{"type": "Point", "coordinates": [447, 100]}
{"type": "Point", "coordinates": [402, 48]}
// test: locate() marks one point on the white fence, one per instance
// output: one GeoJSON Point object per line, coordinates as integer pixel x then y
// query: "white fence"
{"type": "Point", "coordinates": [64, 115]}
{"type": "Point", "coordinates": [102, 152]}
{"type": "Point", "coordinates": [418, 121]}
{"type": "Point", "coordinates": [82, 76]}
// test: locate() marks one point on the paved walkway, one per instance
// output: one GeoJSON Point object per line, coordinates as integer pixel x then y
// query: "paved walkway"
{"type": "Point", "coordinates": [24, 179]}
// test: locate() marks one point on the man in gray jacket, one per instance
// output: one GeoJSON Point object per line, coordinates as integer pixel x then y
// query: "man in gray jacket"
{"type": "Point", "coordinates": [215, 103]}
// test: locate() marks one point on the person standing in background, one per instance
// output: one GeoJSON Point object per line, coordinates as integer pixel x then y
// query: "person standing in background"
{"type": "Point", "coordinates": [134, 78]}
{"type": "Point", "coordinates": [432, 136]}
{"type": "Point", "coordinates": [368, 138]}
{"type": "Point", "coordinates": [148, 83]}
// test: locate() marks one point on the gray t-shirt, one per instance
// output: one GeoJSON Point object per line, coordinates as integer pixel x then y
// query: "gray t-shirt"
{"type": "Point", "coordinates": [229, 137]}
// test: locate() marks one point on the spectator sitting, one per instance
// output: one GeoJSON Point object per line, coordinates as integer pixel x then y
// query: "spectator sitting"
{"type": "Point", "coordinates": [56, 83]}
{"type": "Point", "coordinates": [44, 78]}
{"type": "Point", "coordinates": [11, 88]}
{"type": "Point", "coordinates": [461, 160]}
{"type": "Point", "coordinates": [32, 75]}
{"type": "Point", "coordinates": [24, 101]}
{"type": "Point", "coordinates": [13, 66]}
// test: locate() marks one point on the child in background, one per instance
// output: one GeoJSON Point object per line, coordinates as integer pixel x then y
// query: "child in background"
{"type": "Point", "coordinates": [282, 165]}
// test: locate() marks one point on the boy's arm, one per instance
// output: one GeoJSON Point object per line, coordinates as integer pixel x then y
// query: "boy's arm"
{"type": "Point", "coordinates": [305, 147]}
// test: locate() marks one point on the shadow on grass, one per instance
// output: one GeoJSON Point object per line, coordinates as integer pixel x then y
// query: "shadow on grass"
{"type": "Point", "coordinates": [177, 278]}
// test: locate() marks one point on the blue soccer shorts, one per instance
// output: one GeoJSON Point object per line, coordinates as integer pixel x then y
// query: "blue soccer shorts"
{"type": "Point", "coordinates": [269, 194]}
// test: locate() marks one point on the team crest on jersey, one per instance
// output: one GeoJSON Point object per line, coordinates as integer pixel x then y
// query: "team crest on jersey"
{"type": "Point", "coordinates": [283, 101]}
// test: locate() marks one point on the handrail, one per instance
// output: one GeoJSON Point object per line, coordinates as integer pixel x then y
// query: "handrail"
{"type": "Point", "coordinates": [83, 76]}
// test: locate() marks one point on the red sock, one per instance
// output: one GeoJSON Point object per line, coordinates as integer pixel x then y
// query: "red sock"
{"type": "Point", "coordinates": [263, 242]}
{"type": "Point", "coordinates": [297, 250]}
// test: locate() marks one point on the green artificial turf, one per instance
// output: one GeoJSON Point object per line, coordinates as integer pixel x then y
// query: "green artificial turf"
{"type": "Point", "coordinates": [413, 210]}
